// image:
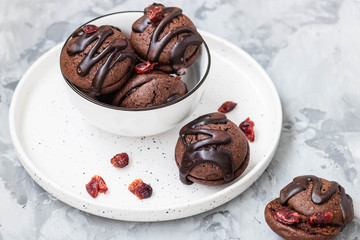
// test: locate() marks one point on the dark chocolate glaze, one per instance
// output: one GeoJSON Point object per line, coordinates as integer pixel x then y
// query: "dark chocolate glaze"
{"type": "Point", "coordinates": [346, 204]}
{"type": "Point", "coordinates": [177, 55]}
{"type": "Point", "coordinates": [302, 183]}
{"type": "Point", "coordinates": [112, 53]}
{"type": "Point", "coordinates": [195, 153]}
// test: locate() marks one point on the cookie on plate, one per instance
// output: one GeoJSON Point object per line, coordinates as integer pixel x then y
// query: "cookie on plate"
{"type": "Point", "coordinates": [211, 150]}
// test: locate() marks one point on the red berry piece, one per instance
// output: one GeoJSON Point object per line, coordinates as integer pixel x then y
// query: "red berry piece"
{"type": "Point", "coordinates": [92, 188]}
{"type": "Point", "coordinates": [320, 218]}
{"type": "Point", "coordinates": [287, 217]}
{"type": "Point", "coordinates": [102, 185]}
{"type": "Point", "coordinates": [120, 160]}
{"type": "Point", "coordinates": [227, 107]}
{"type": "Point", "coordinates": [143, 191]}
{"type": "Point", "coordinates": [90, 28]}
{"type": "Point", "coordinates": [96, 185]}
{"type": "Point", "coordinates": [155, 13]}
{"type": "Point", "coordinates": [247, 126]}
{"type": "Point", "coordinates": [133, 185]}
{"type": "Point", "coordinates": [140, 189]}
{"type": "Point", "coordinates": [144, 67]}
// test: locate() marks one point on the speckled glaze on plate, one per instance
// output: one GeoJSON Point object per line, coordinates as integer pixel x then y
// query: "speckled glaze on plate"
{"type": "Point", "coordinates": [61, 151]}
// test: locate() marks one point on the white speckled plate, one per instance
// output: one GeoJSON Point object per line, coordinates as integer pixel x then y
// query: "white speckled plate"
{"type": "Point", "coordinates": [61, 151]}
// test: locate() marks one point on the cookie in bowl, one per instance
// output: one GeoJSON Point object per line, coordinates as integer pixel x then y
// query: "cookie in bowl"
{"type": "Point", "coordinates": [150, 89]}
{"type": "Point", "coordinates": [166, 37]}
{"type": "Point", "coordinates": [97, 60]}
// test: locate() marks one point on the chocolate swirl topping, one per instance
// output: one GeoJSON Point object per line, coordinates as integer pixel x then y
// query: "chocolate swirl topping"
{"type": "Point", "coordinates": [177, 55]}
{"type": "Point", "coordinates": [195, 153]}
{"type": "Point", "coordinates": [112, 53]}
{"type": "Point", "coordinates": [317, 196]}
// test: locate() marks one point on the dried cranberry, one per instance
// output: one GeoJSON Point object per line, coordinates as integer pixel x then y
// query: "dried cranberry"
{"type": "Point", "coordinates": [102, 185]}
{"type": "Point", "coordinates": [143, 190]}
{"type": "Point", "coordinates": [96, 185]}
{"type": "Point", "coordinates": [155, 13]}
{"type": "Point", "coordinates": [90, 28]}
{"type": "Point", "coordinates": [247, 126]}
{"type": "Point", "coordinates": [120, 160]}
{"type": "Point", "coordinates": [287, 216]}
{"type": "Point", "coordinates": [133, 185]}
{"type": "Point", "coordinates": [92, 188]}
{"type": "Point", "coordinates": [144, 67]}
{"type": "Point", "coordinates": [227, 107]}
{"type": "Point", "coordinates": [140, 189]}
{"type": "Point", "coordinates": [320, 218]}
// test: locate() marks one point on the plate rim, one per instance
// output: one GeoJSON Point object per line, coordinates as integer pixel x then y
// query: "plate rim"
{"type": "Point", "coordinates": [77, 201]}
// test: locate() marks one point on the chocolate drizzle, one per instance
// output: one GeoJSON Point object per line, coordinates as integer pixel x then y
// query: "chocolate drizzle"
{"type": "Point", "coordinates": [317, 196]}
{"type": "Point", "coordinates": [177, 55]}
{"type": "Point", "coordinates": [112, 53]}
{"type": "Point", "coordinates": [195, 153]}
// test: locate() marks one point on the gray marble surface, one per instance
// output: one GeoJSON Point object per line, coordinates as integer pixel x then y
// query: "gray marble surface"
{"type": "Point", "coordinates": [310, 49]}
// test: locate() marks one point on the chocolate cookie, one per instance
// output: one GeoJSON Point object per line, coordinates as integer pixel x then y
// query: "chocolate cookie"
{"type": "Point", "coordinates": [310, 208]}
{"type": "Point", "coordinates": [166, 36]}
{"type": "Point", "coordinates": [211, 150]}
{"type": "Point", "coordinates": [97, 60]}
{"type": "Point", "coordinates": [150, 89]}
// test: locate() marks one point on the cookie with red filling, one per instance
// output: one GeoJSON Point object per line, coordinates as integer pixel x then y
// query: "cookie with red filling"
{"type": "Point", "coordinates": [165, 36]}
{"type": "Point", "coordinates": [211, 150]}
{"type": "Point", "coordinates": [310, 208]}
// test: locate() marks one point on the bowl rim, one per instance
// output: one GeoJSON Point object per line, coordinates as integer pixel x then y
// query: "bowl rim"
{"type": "Point", "coordinates": [113, 107]}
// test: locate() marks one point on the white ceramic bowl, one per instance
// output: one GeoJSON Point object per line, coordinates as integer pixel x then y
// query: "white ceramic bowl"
{"type": "Point", "coordinates": [143, 121]}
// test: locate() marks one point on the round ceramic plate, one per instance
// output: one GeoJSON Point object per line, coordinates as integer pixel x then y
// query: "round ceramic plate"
{"type": "Point", "coordinates": [61, 151]}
